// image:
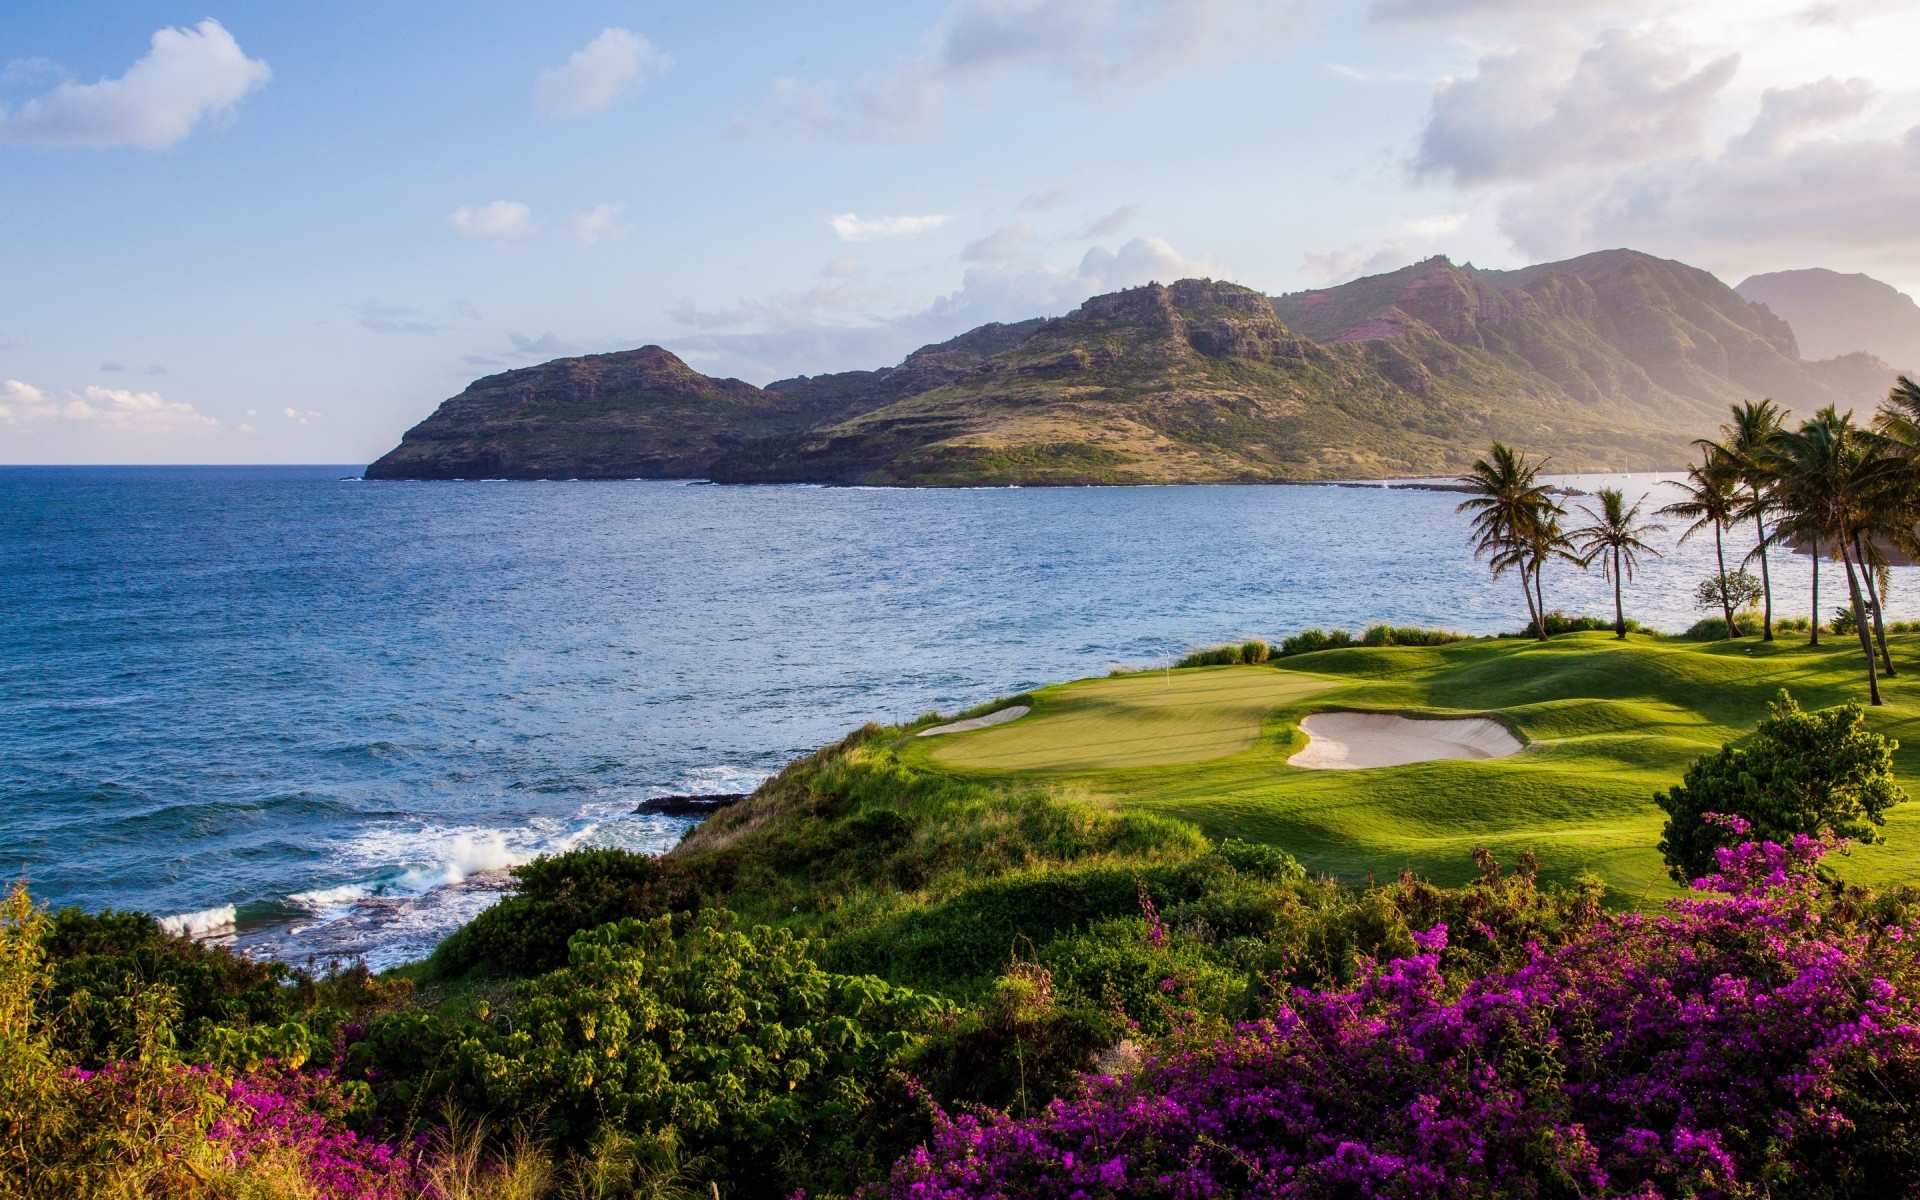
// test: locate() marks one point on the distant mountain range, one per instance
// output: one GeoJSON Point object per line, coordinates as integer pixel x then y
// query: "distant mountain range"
{"type": "Point", "coordinates": [1834, 314]}
{"type": "Point", "coordinates": [1614, 360]}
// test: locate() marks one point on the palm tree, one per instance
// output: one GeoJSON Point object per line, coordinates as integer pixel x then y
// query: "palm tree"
{"type": "Point", "coordinates": [1509, 507]}
{"type": "Point", "coordinates": [1746, 442]}
{"type": "Point", "coordinates": [1831, 475]}
{"type": "Point", "coordinates": [1711, 501]}
{"type": "Point", "coordinates": [1614, 537]}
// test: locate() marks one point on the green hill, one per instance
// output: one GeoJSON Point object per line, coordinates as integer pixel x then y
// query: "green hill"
{"type": "Point", "coordinates": [1614, 360]}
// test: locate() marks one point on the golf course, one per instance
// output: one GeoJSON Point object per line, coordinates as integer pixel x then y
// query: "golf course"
{"type": "Point", "coordinates": [1606, 724]}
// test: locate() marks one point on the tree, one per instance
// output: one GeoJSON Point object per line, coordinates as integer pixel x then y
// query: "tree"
{"type": "Point", "coordinates": [1512, 511]}
{"type": "Point", "coordinates": [1747, 443]}
{"type": "Point", "coordinates": [1800, 773]}
{"type": "Point", "coordinates": [1838, 485]}
{"type": "Point", "coordinates": [1711, 501]}
{"type": "Point", "coordinates": [1730, 592]}
{"type": "Point", "coordinates": [1613, 534]}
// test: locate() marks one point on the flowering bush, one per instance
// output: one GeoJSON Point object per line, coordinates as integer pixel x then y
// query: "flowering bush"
{"type": "Point", "coordinates": [1752, 1040]}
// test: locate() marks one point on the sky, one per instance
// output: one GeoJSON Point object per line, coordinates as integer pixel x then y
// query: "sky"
{"type": "Point", "coordinates": [240, 232]}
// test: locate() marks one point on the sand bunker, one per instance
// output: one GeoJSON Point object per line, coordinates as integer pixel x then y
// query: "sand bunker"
{"type": "Point", "coordinates": [993, 718]}
{"type": "Point", "coordinates": [1344, 741]}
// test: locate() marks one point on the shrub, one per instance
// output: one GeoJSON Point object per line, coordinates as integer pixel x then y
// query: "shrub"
{"type": "Point", "coordinates": [1253, 652]}
{"type": "Point", "coordinates": [1800, 773]}
{"type": "Point", "coordinates": [1843, 621]}
{"type": "Point", "coordinates": [1559, 623]}
{"type": "Point", "coordinates": [1794, 624]}
{"type": "Point", "coordinates": [1408, 635]}
{"type": "Point", "coordinates": [1307, 641]}
{"type": "Point", "coordinates": [759, 1063]}
{"type": "Point", "coordinates": [1744, 1043]}
{"type": "Point", "coordinates": [1714, 629]}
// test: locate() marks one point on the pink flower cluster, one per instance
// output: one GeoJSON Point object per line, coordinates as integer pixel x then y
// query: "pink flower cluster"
{"type": "Point", "coordinates": [299, 1116]}
{"type": "Point", "coordinates": [1747, 1041]}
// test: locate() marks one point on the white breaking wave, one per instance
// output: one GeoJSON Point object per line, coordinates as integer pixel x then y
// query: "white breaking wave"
{"type": "Point", "coordinates": [200, 924]}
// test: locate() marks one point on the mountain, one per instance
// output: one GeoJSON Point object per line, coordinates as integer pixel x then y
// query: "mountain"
{"type": "Point", "coordinates": [1614, 360]}
{"type": "Point", "coordinates": [1834, 314]}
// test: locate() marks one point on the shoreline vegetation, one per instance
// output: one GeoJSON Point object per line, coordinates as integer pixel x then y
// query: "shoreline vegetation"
{"type": "Point", "coordinates": [1654, 932]}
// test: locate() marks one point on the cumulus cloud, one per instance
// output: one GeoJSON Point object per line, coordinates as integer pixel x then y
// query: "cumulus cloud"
{"type": "Point", "coordinates": [1788, 113]}
{"type": "Point", "coordinates": [598, 224]}
{"type": "Point", "coordinates": [298, 416]}
{"type": "Point", "coordinates": [598, 72]}
{"type": "Point", "coordinates": [847, 319]}
{"type": "Point", "coordinates": [1328, 267]}
{"type": "Point", "coordinates": [102, 408]}
{"type": "Point", "coordinates": [1843, 202]}
{"type": "Point", "coordinates": [853, 228]}
{"type": "Point", "coordinates": [1085, 44]}
{"type": "Point", "coordinates": [1007, 242]}
{"type": "Point", "coordinates": [1524, 115]}
{"type": "Point", "coordinates": [186, 77]}
{"type": "Point", "coordinates": [498, 218]}
{"type": "Point", "coordinates": [1435, 226]}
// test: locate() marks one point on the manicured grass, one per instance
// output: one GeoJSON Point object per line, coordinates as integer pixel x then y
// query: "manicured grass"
{"type": "Point", "coordinates": [1157, 719]}
{"type": "Point", "coordinates": [1608, 724]}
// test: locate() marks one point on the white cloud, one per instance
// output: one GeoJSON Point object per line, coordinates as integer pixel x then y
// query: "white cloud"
{"type": "Point", "coordinates": [1007, 242]}
{"type": "Point", "coordinates": [849, 320]}
{"type": "Point", "coordinates": [1328, 267]}
{"type": "Point", "coordinates": [1424, 11]}
{"type": "Point", "coordinates": [120, 408]}
{"type": "Point", "coordinates": [1112, 223]}
{"type": "Point", "coordinates": [1047, 198]}
{"type": "Point", "coordinates": [1788, 113]}
{"type": "Point", "coordinates": [596, 73]}
{"type": "Point", "coordinates": [1435, 226]}
{"type": "Point", "coordinates": [1086, 44]}
{"type": "Point", "coordinates": [103, 408]}
{"type": "Point", "coordinates": [499, 218]}
{"type": "Point", "coordinates": [22, 402]}
{"type": "Point", "coordinates": [297, 416]}
{"type": "Point", "coordinates": [187, 76]}
{"type": "Point", "coordinates": [599, 224]}
{"type": "Point", "coordinates": [852, 228]}
{"type": "Point", "coordinates": [1534, 111]}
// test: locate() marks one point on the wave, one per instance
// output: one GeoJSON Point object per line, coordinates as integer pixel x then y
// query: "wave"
{"type": "Point", "coordinates": [203, 924]}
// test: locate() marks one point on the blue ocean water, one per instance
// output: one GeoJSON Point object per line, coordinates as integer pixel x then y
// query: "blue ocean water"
{"type": "Point", "coordinates": [319, 716]}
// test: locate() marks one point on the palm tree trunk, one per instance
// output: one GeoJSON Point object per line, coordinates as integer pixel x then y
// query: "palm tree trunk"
{"type": "Point", "coordinates": [1619, 612]}
{"type": "Point", "coordinates": [1526, 589]}
{"type": "Point", "coordinates": [1726, 603]}
{"type": "Point", "coordinates": [1540, 596]}
{"type": "Point", "coordinates": [1860, 626]}
{"type": "Point", "coordinates": [1873, 606]}
{"type": "Point", "coordinates": [1766, 580]}
{"type": "Point", "coordinates": [1813, 638]}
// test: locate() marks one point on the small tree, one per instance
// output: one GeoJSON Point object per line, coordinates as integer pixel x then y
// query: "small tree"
{"type": "Point", "coordinates": [1800, 773]}
{"type": "Point", "coordinates": [1728, 593]}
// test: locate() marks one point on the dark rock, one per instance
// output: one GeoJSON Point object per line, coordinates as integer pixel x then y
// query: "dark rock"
{"type": "Point", "coordinates": [689, 806]}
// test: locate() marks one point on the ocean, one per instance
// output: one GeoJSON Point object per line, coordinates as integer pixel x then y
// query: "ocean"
{"type": "Point", "coordinates": [318, 718]}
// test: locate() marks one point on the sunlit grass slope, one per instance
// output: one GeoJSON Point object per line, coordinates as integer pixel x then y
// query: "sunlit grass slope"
{"type": "Point", "coordinates": [1607, 725]}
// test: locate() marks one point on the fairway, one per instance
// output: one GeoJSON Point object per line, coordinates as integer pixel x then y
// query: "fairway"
{"type": "Point", "coordinates": [1156, 719]}
{"type": "Point", "coordinates": [1607, 725]}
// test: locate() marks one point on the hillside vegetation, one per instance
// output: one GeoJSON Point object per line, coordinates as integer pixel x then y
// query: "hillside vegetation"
{"type": "Point", "coordinates": [1614, 360]}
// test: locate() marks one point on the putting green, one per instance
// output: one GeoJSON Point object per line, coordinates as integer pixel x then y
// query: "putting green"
{"type": "Point", "coordinates": [1608, 724]}
{"type": "Point", "coordinates": [1151, 720]}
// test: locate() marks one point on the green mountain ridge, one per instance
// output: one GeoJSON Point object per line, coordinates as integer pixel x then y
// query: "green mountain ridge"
{"type": "Point", "coordinates": [1614, 360]}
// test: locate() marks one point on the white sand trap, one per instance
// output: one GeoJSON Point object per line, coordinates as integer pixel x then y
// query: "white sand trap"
{"type": "Point", "coordinates": [991, 719]}
{"type": "Point", "coordinates": [1346, 741]}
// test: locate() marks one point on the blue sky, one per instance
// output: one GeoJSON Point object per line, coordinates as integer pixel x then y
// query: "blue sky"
{"type": "Point", "coordinates": [243, 232]}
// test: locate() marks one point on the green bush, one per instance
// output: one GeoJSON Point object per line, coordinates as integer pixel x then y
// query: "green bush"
{"type": "Point", "coordinates": [1800, 773]}
{"type": "Point", "coordinates": [1254, 652]}
{"type": "Point", "coordinates": [1843, 622]}
{"type": "Point", "coordinates": [1216, 656]}
{"type": "Point", "coordinates": [1307, 641]}
{"type": "Point", "coordinates": [1797, 624]}
{"type": "Point", "coordinates": [767, 1070]}
{"type": "Point", "coordinates": [1559, 623]}
{"type": "Point", "coordinates": [1714, 629]}
{"type": "Point", "coordinates": [1408, 635]}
